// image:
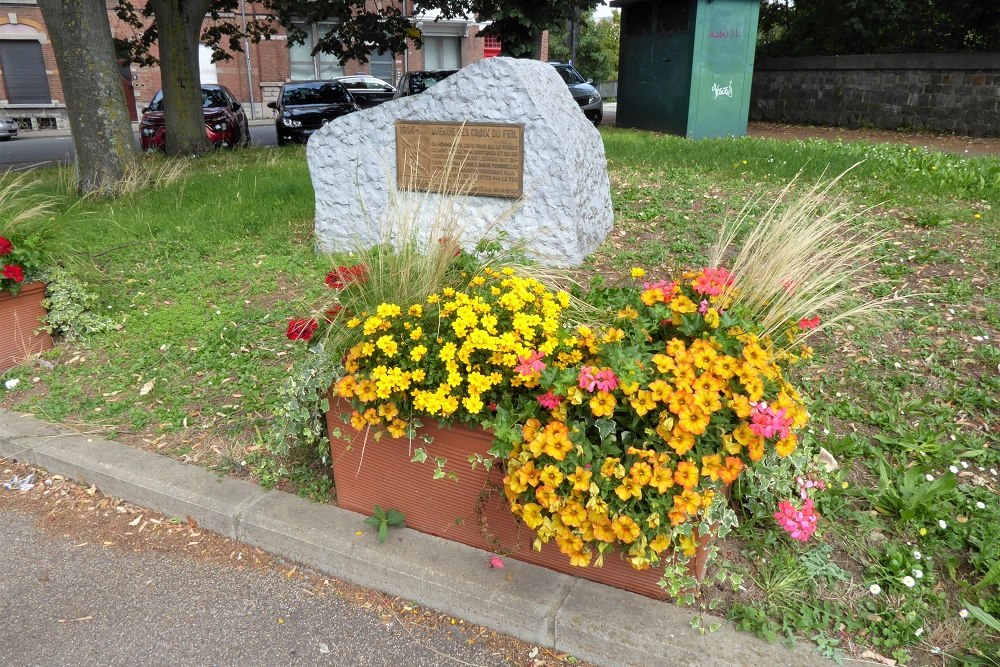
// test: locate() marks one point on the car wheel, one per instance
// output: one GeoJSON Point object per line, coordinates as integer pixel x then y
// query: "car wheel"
{"type": "Point", "coordinates": [245, 139]}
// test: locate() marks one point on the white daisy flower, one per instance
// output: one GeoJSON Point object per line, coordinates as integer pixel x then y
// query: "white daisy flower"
{"type": "Point", "coordinates": [874, 589]}
{"type": "Point", "coordinates": [942, 523]}
{"type": "Point", "coordinates": [909, 581]}
{"type": "Point", "coordinates": [917, 555]}
{"type": "Point", "coordinates": [954, 469]}
{"type": "Point", "coordinates": [963, 613]}
{"type": "Point", "coordinates": [980, 505]}
{"type": "Point", "coordinates": [919, 574]}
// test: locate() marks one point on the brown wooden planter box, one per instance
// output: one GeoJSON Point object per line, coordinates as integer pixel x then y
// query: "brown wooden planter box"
{"type": "Point", "coordinates": [471, 509]}
{"type": "Point", "coordinates": [20, 316]}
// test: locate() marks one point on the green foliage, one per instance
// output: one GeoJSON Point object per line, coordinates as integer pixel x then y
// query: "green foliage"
{"type": "Point", "coordinates": [597, 49]}
{"type": "Point", "coordinates": [382, 520]}
{"type": "Point", "coordinates": [911, 496]}
{"type": "Point", "coordinates": [72, 308]}
{"type": "Point", "coordinates": [301, 405]}
{"type": "Point", "coordinates": [834, 27]}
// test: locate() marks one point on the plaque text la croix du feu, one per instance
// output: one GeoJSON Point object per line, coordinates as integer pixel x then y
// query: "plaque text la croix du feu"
{"type": "Point", "coordinates": [483, 159]}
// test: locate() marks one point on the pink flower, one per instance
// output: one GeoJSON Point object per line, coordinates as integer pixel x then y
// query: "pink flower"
{"type": "Point", "coordinates": [496, 562]}
{"type": "Point", "coordinates": [800, 523]}
{"type": "Point", "coordinates": [606, 380]}
{"type": "Point", "coordinates": [587, 380]}
{"type": "Point", "coordinates": [703, 307]}
{"type": "Point", "coordinates": [530, 364]}
{"type": "Point", "coordinates": [548, 400]}
{"type": "Point", "coordinates": [712, 281]}
{"type": "Point", "coordinates": [767, 423]}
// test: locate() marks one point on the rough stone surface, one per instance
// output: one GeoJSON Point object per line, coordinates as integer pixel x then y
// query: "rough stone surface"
{"type": "Point", "coordinates": [566, 209]}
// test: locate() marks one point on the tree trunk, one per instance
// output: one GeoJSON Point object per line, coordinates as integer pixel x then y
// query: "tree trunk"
{"type": "Point", "coordinates": [92, 88]}
{"type": "Point", "coordinates": [178, 24]}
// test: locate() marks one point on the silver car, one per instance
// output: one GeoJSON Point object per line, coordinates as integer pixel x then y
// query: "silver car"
{"type": "Point", "coordinates": [8, 128]}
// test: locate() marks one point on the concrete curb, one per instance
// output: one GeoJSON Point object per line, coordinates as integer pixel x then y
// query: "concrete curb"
{"type": "Point", "coordinates": [602, 625]}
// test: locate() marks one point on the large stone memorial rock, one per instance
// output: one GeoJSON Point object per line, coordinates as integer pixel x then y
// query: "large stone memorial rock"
{"type": "Point", "coordinates": [564, 212]}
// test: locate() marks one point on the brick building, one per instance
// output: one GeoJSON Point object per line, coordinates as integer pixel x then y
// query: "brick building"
{"type": "Point", "coordinates": [30, 89]}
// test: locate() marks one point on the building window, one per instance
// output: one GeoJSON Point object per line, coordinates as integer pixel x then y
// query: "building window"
{"type": "Point", "coordinates": [382, 65]}
{"type": "Point", "coordinates": [304, 66]}
{"type": "Point", "coordinates": [442, 53]}
{"type": "Point", "coordinates": [24, 72]}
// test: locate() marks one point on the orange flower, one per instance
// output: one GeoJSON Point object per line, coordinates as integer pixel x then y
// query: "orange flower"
{"type": "Point", "coordinates": [732, 469]}
{"type": "Point", "coordinates": [625, 529]}
{"type": "Point", "coordinates": [686, 475]}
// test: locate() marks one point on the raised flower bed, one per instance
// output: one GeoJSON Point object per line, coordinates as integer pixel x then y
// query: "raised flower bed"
{"type": "Point", "coordinates": [21, 316]}
{"type": "Point", "coordinates": [21, 309]}
{"type": "Point", "coordinates": [465, 505]}
{"type": "Point", "coordinates": [595, 438]}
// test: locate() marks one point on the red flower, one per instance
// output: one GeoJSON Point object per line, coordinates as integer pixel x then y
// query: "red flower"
{"type": "Point", "coordinates": [343, 276]}
{"type": "Point", "coordinates": [13, 272]}
{"type": "Point", "coordinates": [5, 246]}
{"type": "Point", "coordinates": [301, 328]}
{"type": "Point", "coordinates": [809, 323]}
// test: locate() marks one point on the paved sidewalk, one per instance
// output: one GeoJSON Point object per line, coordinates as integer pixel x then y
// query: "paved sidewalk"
{"type": "Point", "coordinates": [599, 624]}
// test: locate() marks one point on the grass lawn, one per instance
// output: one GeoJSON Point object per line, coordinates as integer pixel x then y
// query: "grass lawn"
{"type": "Point", "coordinates": [203, 273]}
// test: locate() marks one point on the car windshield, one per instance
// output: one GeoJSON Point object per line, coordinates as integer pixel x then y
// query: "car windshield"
{"type": "Point", "coordinates": [314, 93]}
{"type": "Point", "coordinates": [211, 98]}
{"type": "Point", "coordinates": [421, 81]}
{"type": "Point", "coordinates": [570, 76]}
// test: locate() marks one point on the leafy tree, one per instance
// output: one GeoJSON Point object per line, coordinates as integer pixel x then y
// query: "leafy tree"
{"type": "Point", "coordinates": [102, 134]}
{"type": "Point", "coordinates": [838, 27]}
{"type": "Point", "coordinates": [597, 49]}
{"type": "Point", "coordinates": [520, 23]}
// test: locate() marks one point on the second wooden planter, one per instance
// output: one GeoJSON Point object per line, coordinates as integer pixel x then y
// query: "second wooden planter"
{"type": "Point", "coordinates": [467, 507]}
{"type": "Point", "coordinates": [20, 318]}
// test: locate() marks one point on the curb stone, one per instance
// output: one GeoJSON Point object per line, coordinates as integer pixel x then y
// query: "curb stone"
{"type": "Point", "coordinates": [603, 625]}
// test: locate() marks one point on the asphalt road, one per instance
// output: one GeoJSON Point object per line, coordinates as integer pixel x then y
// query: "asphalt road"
{"type": "Point", "coordinates": [31, 151]}
{"type": "Point", "coordinates": [66, 604]}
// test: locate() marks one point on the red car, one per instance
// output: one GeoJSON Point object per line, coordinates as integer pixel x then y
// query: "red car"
{"type": "Point", "coordinates": [225, 121]}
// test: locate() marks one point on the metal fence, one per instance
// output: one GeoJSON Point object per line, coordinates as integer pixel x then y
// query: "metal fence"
{"type": "Point", "coordinates": [608, 89]}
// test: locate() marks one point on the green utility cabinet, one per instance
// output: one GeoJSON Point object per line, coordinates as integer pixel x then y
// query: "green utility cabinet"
{"type": "Point", "coordinates": [686, 66]}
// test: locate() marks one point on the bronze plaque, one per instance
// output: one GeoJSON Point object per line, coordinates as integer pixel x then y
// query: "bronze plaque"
{"type": "Point", "coordinates": [484, 159]}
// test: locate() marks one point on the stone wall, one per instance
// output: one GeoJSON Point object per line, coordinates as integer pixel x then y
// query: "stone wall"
{"type": "Point", "coordinates": [941, 92]}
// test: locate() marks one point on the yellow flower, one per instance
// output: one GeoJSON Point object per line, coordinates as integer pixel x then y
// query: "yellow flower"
{"type": "Point", "coordinates": [602, 404]}
{"type": "Point", "coordinates": [372, 325]}
{"type": "Point", "coordinates": [353, 323]}
{"type": "Point", "coordinates": [418, 352]}
{"type": "Point", "coordinates": [473, 404]}
{"type": "Point", "coordinates": [531, 513]}
{"type": "Point", "coordinates": [551, 476]}
{"type": "Point", "coordinates": [387, 345]}
{"type": "Point", "coordinates": [387, 310]}
{"type": "Point", "coordinates": [433, 298]}
{"type": "Point", "coordinates": [625, 529]}
{"type": "Point", "coordinates": [638, 272]}
{"type": "Point", "coordinates": [416, 310]}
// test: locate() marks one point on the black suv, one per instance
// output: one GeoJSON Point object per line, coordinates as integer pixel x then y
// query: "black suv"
{"type": "Point", "coordinates": [368, 91]}
{"type": "Point", "coordinates": [305, 106]}
{"type": "Point", "coordinates": [416, 82]}
{"type": "Point", "coordinates": [582, 91]}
